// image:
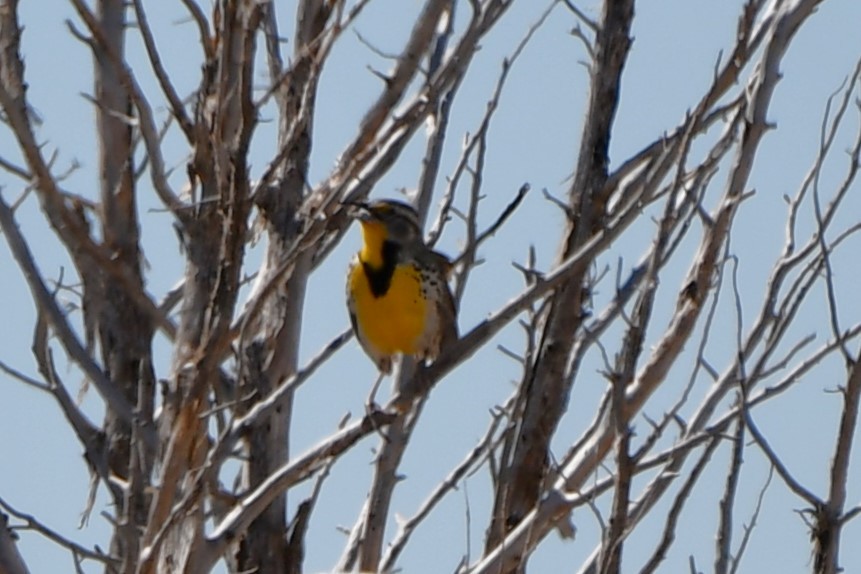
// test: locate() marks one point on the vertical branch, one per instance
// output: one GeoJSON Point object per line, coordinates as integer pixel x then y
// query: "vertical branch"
{"type": "Point", "coordinates": [830, 521]}
{"type": "Point", "coordinates": [438, 118]}
{"type": "Point", "coordinates": [626, 368]}
{"type": "Point", "coordinates": [124, 332]}
{"type": "Point", "coordinates": [611, 545]}
{"type": "Point", "coordinates": [214, 235]}
{"type": "Point", "coordinates": [271, 356]}
{"type": "Point", "coordinates": [373, 523]}
{"type": "Point", "coordinates": [723, 540]}
{"type": "Point", "coordinates": [548, 390]}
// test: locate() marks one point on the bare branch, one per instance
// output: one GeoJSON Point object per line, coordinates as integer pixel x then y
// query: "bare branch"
{"type": "Point", "coordinates": [581, 16]}
{"type": "Point", "coordinates": [176, 105]}
{"type": "Point", "coordinates": [837, 489]}
{"type": "Point", "coordinates": [31, 523]}
{"type": "Point", "coordinates": [448, 484]}
{"type": "Point", "coordinates": [678, 505]}
{"type": "Point", "coordinates": [146, 123]}
{"type": "Point", "coordinates": [299, 469]}
{"type": "Point", "coordinates": [404, 71]}
{"type": "Point", "coordinates": [779, 466]}
{"type": "Point", "coordinates": [748, 528]}
{"type": "Point", "coordinates": [723, 540]}
{"type": "Point", "coordinates": [211, 489]}
{"type": "Point", "coordinates": [10, 560]}
{"type": "Point", "coordinates": [115, 400]}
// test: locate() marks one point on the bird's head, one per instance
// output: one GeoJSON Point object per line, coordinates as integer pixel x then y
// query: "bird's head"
{"type": "Point", "coordinates": [387, 220]}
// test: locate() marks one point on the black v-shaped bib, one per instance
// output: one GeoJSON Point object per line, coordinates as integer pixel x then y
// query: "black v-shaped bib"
{"type": "Point", "coordinates": [380, 278]}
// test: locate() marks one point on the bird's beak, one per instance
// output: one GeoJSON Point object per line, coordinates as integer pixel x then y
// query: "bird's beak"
{"type": "Point", "coordinates": [358, 210]}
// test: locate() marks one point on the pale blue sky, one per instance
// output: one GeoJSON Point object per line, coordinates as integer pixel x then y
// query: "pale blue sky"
{"type": "Point", "coordinates": [534, 139]}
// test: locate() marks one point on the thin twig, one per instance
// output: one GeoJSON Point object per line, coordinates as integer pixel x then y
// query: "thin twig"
{"type": "Point", "coordinates": [32, 523]}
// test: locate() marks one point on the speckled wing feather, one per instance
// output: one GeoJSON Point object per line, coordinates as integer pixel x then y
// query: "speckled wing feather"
{"type": "Point", "coordinates": [446, 307]}
{"type": "Point", "coordinates": [447, 311]}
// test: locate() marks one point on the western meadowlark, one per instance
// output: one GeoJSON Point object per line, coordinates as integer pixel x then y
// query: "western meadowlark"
{"type": "Point", "coordinates": [397, 288]}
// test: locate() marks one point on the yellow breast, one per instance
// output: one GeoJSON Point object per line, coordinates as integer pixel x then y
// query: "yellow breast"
{"type": "Point", "coordinates": [394, 321]}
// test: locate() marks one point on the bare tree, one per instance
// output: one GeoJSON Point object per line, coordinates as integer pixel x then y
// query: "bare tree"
{"type": "Point", "coordinates": [196, 457]}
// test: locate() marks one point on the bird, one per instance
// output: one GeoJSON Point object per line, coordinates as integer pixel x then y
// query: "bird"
{"type": "Point", "coordinates": [398, 295]}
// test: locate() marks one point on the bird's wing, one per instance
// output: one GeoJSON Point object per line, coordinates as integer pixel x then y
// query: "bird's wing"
{"type": "Point", "coordinates": [446, 306]}
{"type": "Point", "coordinates": [447, 311]}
